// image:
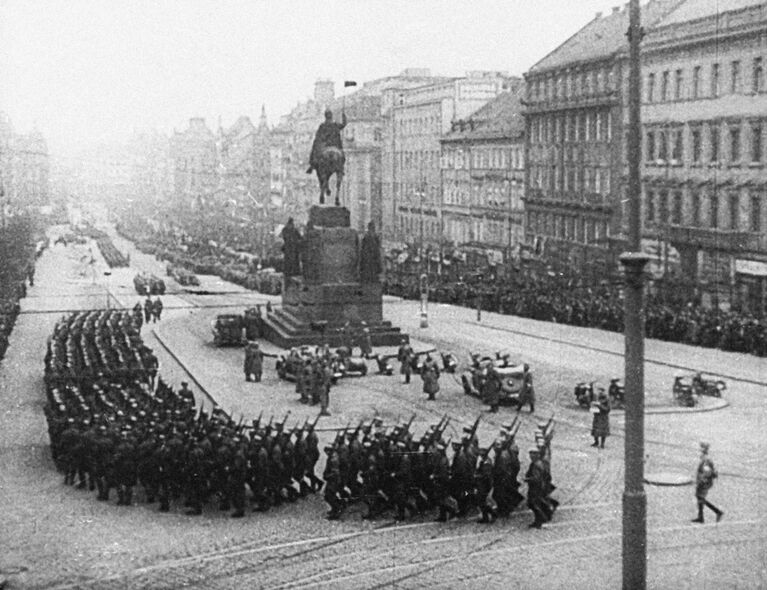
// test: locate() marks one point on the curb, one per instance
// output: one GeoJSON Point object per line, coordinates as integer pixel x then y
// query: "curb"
{"type": "Point", "coordinates": [665, 479]}
{"type": "Point", "coordinates": [719, 404]}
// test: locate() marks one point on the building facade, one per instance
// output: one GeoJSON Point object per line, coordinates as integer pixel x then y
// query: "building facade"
{"type": "Point", "coordinates": [418, 119]}
{"type": "Point", "coordinates": [24, 169]}
{"type": "Point", "coordinates": [575, 112]}
{"type": "Point", "coordinates": [482, 178]}
{"type": "Point", "coordinates": [704, 117]}
{"type": "Point", "coordinates": [193, 155]}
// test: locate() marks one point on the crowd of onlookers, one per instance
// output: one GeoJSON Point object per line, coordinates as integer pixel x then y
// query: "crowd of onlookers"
{"type": "Point", "coordinates": [20, 244]}
{"type": "Point", "coordinates": [568, 301]}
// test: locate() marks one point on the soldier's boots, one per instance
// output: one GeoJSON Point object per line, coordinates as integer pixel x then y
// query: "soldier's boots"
{"type": "Point", "coordinates": [445, 514]}
{"type": "Point", "coordinates": [164, 504]}
{"type": "Point", "coordinates": [488, 516]}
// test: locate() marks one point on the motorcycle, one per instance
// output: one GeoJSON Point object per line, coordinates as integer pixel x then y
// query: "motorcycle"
{"type": "Point", "coordinates": [584, 394]}
{"type": "Point", "coordinates": [384, 366]}
{"type": "Point", "coordinates": [449, 362]}
{"type": "Point", "coordinates": [616, 391]}
{"type": "Point", "coordinates": [708, 386]}
{"type": "Point", "coordinates": [683, 390]}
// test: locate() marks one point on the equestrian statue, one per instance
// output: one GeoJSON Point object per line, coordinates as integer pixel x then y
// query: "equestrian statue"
{"type": "Point", "coordinates": [327, 156]}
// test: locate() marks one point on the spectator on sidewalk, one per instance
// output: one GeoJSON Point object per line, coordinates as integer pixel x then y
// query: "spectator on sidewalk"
{"type": "Point", "coordinates": [157, 310]}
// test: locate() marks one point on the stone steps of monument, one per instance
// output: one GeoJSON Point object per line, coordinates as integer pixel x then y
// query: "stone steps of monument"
{"type": "Point", "coordinates": [289, 322]}
{"type": "Point", "coordinates": [286, 334]}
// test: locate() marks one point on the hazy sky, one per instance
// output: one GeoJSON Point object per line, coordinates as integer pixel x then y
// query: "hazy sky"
{"type": "Point", "coordinates": [83, 70]}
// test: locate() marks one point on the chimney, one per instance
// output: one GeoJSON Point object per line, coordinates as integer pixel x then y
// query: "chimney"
{"type": "Point", "coordinates": [616, 9]}
{"type": "Point", "coordinates": [598, 16]}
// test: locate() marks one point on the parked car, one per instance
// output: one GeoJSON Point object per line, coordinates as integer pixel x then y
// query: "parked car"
{"type": "Point", "coordinates": [227, 330]}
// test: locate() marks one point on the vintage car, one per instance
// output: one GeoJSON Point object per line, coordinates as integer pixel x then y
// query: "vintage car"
{"type": "Point", "coordinates": [513, 388]}
{"type": "Point", "coordinates": [183, 276]}
{"type": "Point", "coordinates": [684, 392]}
{"type": "Point", "coordinates": [147, 284]}
{"type": "Point", "coordinates": [707, 385]}
{"type": "Point", "coordinates": [227, 330]}
{"type": "Point", "coordinates": [586, 393]}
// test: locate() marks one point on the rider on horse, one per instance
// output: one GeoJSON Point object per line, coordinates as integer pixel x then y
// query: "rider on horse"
{"type": "Point", "coordinates": [328, 135]}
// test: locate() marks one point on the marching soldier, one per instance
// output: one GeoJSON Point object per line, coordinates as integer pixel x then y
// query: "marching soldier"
{"type": "Point", "coordinates": [704, 480]}
{"type": "Point", "coordinates": [484, 486]}
{"type": "Point", "coordinates": [536, 488]}
{"type": "Point", "coordinates": [332, 476]}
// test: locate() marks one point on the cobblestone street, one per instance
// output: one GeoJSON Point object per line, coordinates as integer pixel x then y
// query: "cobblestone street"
{"type": "Point", "coordinates": [55, 536]}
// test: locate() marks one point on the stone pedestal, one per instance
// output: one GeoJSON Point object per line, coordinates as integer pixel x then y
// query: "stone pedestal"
{"type": "Point", "coordinates": [318, 304]}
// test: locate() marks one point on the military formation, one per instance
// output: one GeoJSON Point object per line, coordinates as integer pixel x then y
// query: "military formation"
{"type": "Point", "coordinates": [389, 470]}
{"type": "Point", "coordinates": [570, 301]}
{"type": "Point", "coordinates": [112, 429]}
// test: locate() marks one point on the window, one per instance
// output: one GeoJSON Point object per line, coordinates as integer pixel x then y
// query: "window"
{"type": "Point", "coordinates": [756, 213]}
{"type": "Point", "coordinates": [662, 146]}
{"type": "Point", "coordinates": [714, 80]}
{"type": "Point", "coordinates": [735, 77]}
{"type": "Point", "coordinates": [696, 82]}
{"type": "Point", "coordinates": [663, 206]}
{"type": "Point", "coordinates": [679, 80]}
{"type": "Point", "coordinates": [757, 78]}
{"type": "Point", "coordinates": [696, 146]}
{"type": "Point", "coordinates": [676, 211]}
{"type": "Point", "coordinates": [650, 87]}
{"type": "Point", "coordinates": [677, 152]}
{"type": "Point", "coordinates": [756, 142]}
{"type": "Point", "coordinates": [650, 206]}
{"type": "Point", "coordinates": [734, 210]}
{"type": "Point", "coordinates": [695, 208]}
{"type": "Point", "coordinates": [714, 211]}
{"type": "Point", "coordinates": [714, 143]}
{"type": "Point", "coordinates": [664, 87]}
{"type": "Point", "coordinates": [582, 127]}
{"type": "Point", "coordinates": [734, 144]}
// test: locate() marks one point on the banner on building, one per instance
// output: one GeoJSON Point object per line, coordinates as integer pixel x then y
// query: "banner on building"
{"type": "Point", "coordinates": [751, 267]}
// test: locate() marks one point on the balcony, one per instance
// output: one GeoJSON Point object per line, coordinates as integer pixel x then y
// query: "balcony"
{"type": "Point", "coordinates": [730, 240]}
{"type": "Point", "coordinates": [603, 99]}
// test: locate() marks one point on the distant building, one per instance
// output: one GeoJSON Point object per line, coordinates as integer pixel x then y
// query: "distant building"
{"type": "Point", "coordinates": [193, 163]}
{"type": "Point", "coordinates": [482, 179]}
{"type": "Point", "coordinates": [24, 169]}
{"type": "Point", "coordinates": [704, 113]}
{"type": "Point", "coordinates": [575, 133]}
{"type": "Point", "coordinates": [417, 118]}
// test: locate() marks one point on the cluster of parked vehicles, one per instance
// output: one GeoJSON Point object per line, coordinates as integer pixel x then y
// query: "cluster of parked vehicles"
{"type": "Point", "coordinates": [148, 284]}
{"type": "Point", "coordinates": [182, 276]}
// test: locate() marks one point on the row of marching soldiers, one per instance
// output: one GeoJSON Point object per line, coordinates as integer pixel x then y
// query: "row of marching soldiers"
{"type": "Point", "coordinates": [391, 470]}
{"type": "Point", "coordinates": [111, 430]}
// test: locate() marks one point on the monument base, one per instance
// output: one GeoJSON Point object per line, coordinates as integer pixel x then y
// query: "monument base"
{"type": "Point", "coordinates": [328, 300]}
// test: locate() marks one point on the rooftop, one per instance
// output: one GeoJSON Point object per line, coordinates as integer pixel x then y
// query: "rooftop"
{"type": "Point", "coordinates": [698, 9]}
{"type": "Point", "coordinates": [499, 118]}
{"type": "Point", "coordinates": [605, 36]}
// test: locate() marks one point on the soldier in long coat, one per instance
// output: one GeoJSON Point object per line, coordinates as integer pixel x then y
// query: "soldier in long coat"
{"type": "Point", "coordinates": [254, 362]}
{"type": "Point", "coordinates": [704, 480]}
{"type": "Point", "coordinates": [491, 388]}
{"type": "Point", "coordinates": [600, 423]}
{"type": "Point", "coordinates": [536, 488]}
{"type": "Point", "coordinates": [405, 357]}
{"type": "Point", "coordinates": [430, 377]}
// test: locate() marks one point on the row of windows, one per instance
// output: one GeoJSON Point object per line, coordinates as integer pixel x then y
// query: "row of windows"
{"type": "Point", "coordinates": [695, 208]}
{"type": "Point", "coordinates": [417, 159]}
{"type": "Point", "coordinates": [415, 226]}
{"type": "Point", "coordinates": [572, 84]}
{"type": "Point", "coordinates": [735, 141]}
{"type": "Point", "coordinates": [418, 126]}
{"type": "Point", "coordinates": [493, 194]}
{"type": "Point", "coordinates": [575, 126]}
{"type": "Point", "coordinates": [709, 82]}
{"type": "Point", "coordinates": [484, 158]}
{"type": "Point", "coordinates": [571, 179]}
{"type": "Point", "coordinates": [489, 231]}
{"type": "Point", "coordinates": [568, 227]}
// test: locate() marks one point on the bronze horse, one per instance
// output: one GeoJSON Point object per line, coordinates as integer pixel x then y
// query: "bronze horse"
{"type": "Point", "coordinates": [330, 161]}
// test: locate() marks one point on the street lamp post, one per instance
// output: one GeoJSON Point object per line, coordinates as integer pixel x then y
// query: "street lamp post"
{"type": "Point", "coordinates": [634, 261]}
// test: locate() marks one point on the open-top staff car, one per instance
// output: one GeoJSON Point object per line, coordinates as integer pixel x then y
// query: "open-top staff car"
{"type": "Point", "coordinates": [586, 393]}
{"type": "Point", "coordinates": [147, 284]}
{"type": "Point", "coordinates": [515, 381]}
{"type": "Point", "coordinates": [227, 330]}
{"type": "Point", "coordinates": [289, 366]}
